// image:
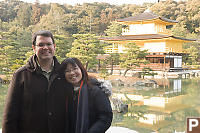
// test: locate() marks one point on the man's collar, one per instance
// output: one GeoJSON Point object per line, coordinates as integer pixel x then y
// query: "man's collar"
{"type": "Point", "coordinates": [52, 65]}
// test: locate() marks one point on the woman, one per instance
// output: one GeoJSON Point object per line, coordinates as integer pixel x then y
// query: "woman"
{"type": "Point", "coordinates": [89, 107]}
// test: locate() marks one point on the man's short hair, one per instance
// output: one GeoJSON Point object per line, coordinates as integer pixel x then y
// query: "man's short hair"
{"type": "Point", "coordinates": [45, 33]}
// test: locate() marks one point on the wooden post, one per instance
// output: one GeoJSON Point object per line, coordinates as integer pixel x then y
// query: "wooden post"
{"type": "Point", "coordinates": [99, 65]}
{"type": "Point", "coordinates": [164, 64]}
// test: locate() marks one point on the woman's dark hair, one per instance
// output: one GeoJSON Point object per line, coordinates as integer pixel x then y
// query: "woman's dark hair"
{"type": "Point", "coordinates": [45, 33]}
{"type": "Point", "coordinates": [74, 61]}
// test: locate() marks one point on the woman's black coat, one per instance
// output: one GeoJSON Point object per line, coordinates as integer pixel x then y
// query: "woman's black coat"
{"type": "Point", "coordinates": [99, 111]}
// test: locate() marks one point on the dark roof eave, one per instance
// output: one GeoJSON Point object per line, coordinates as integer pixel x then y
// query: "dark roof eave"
{"type": "Point", "coordinates": [146, 16]}
{"type": "Point", "coordinates": [123, 39]}
{"type": "Point", "coordinates": [183, 38]}
{"type": "Point", "coordinates": [161, 18]}
{"type": "Point", "coordinates": [168, 20]}
{"type": "Point", "coordinates": [156, 36]}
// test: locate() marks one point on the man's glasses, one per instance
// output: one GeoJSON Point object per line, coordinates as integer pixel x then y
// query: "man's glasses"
{"type": "Point", "coordinates": [44, 44]}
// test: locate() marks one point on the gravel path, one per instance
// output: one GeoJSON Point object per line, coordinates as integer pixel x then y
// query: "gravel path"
{"type": "Point", "coordinates": [120, 130]}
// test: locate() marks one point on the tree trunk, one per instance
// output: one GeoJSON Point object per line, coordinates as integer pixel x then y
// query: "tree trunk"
{"type": "Point", "coordinates": [99, 65]}
{"type": "Point", "coordinates": [86, 65]}
{"type": "Point", "coordinates": [111, 71]}
{"type": "Point", "coordinates": [126, 72]}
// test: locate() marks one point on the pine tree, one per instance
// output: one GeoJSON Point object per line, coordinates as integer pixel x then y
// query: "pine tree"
{"type": "Point", "coordinates": [86, 47]}
{"type": "Point", "coordinates": [132, 57]}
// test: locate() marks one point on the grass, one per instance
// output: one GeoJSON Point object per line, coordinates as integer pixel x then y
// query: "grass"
{"type": "Point", "coordinates": [3, 92]}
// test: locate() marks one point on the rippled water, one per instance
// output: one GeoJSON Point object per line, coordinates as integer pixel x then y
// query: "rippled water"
{"type": "Point", "coordinates": [162, 109]}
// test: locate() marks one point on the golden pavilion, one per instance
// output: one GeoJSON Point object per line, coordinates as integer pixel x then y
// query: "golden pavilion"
{"type": "Point", "coordinates": [150, 32]}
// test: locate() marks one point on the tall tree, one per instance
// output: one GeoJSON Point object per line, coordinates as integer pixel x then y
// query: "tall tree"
{"type": "Point", "coordinates": [104, 20]}
{"type": "Point", "coordinates": [24, 15]}
{"type": "Point", "coordinates": [114, 29]}
{"type": "Point", "coordinates": [54, 20]}
{"type": "Point", "coordinates": [36, 12]}
{"type": "Point", "coordinates": [86, 47]}
{"type": "Point", "coordinates": [114, 60]}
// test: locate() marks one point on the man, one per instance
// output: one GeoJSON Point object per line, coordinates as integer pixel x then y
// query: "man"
{"type": "Point", "coordinates": [36, 100]}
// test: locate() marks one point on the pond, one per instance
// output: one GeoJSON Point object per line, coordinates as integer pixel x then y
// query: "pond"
{"type": "Point", "coordinates": [162, 109]}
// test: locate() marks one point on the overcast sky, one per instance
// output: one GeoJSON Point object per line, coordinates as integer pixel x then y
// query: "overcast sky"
{"type": "Point", "coordinates": [116, 2]}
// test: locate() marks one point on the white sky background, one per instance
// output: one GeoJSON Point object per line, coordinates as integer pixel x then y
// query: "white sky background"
{"type": "Point", "coordinates": [114, 2]}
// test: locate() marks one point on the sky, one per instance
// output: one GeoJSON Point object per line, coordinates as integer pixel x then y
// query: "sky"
{"type": "Point", "coordinates": [115, 2]}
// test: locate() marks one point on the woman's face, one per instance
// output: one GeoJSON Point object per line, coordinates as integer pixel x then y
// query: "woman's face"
{"type": "Point", "coordinates": [73, 74]}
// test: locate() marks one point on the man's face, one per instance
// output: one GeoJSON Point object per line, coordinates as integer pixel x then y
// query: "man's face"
{"type": "Point", "coordinates": [44, 48]}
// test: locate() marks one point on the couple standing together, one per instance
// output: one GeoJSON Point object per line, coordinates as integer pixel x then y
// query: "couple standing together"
{"type": "Point", "coordinates": [47, 97]}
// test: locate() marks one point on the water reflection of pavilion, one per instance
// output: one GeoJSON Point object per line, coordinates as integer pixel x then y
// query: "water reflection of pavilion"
{"type": "Point", "coordinates": [160, 106]}
{"type": "Point", "coordinates": [159, 110]}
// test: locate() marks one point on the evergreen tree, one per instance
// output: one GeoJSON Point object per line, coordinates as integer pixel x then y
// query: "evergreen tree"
{"type": "Point", "coordinates": [114, 60]}
{"type": "Point", "coordinates": [86, 47]}
{"type": "Point", "coordinates": [132, 57]}
{"type": "Point", "coordinates": [192, 56]}
{"type": "Point", "coordinates": [36, 13]}
{"type": "Point", "coordinates": [53, 21]}
{"type": "Point", "coordinates": [115, 29]}
{"type": "Point", "coordinates": [24, 15]}
{"type": "Point", "coordinates": [11, 54]}
{"type": "Point", "coordinates": [63, 46]}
